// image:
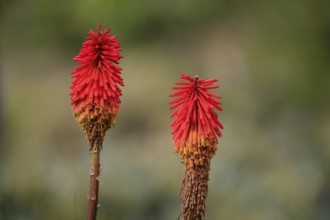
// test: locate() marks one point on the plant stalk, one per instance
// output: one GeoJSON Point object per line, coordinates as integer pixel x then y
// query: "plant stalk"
{"type": "Point", "coordinates": [94, 183]}
{"type": "Point", "coordinates": [195, 187]}
{"type": "Point", "coordinates": [195, 183]}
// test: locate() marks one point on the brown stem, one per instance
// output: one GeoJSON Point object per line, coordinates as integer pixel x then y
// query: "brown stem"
{"type": "Point", "coordinates": [94, 125]}
{"type": "Point", "coordinates": [195, 183]}
{"type": "Point", "coordinates": [94, 183]}
{"type": "Point", "coordinates": [195, 187]}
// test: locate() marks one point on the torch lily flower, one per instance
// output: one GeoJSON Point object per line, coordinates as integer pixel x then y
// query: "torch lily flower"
{"type": "Point", "coordinates": [95, 97]}
{"type": "Point", "coordinates": [195, 129]}
{"type": "Point", "coordinates": [196, 123]}
{"type": "Point", "coordinates": [95, 92]}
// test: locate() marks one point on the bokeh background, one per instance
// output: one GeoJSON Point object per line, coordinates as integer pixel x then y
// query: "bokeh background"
{"type": "Point", "coordinates": [273, 62]}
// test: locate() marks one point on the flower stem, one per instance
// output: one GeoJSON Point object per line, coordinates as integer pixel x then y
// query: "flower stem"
{"type": "Point", "coordinates": [195, 187]}
{"type": "Point", "coordinates": [195, 183]}
{"type": "Point", "coordinates": [94, 183]}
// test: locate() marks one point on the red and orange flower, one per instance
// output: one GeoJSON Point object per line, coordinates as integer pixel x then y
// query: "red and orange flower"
{"type": "Point", "coordinates": [195, 129]}
{"type": "Point", "coordinates": [196, 123]}
{"type": "Point", "coordinates": [95, 92]}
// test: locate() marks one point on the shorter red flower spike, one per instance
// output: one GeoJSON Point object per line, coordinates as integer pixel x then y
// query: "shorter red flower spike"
{"type": "Point", "coordinates": [196, 123]}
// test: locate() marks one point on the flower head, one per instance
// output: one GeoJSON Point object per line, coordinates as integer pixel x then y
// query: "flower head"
{"type": "Point", "coordinates": [196, 123]}
{"type": "Point", "coordinates": [95, 92]}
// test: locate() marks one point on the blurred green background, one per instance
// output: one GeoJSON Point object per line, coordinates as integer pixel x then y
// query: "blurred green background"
{"type": "Point", "coordinates": [273, 62]}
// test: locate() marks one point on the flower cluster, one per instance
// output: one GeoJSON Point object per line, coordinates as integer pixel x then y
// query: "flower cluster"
{"type": "Point", "coordinates": [195, 129]}
{"type": "Point", "coordinates": [196, 123]}
{"type": "Point", "coordinates": [95, 92]}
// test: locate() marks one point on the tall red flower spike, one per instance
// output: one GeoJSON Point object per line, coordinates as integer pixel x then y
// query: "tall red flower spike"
{"type": "Point", "coordinates": [95, 97]}
{"type": "Point", "coordinates": [195, 129]}
{"type": "Point", "coordinates": [95, 92]}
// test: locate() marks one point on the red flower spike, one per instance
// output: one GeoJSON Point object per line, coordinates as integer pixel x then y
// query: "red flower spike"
{"type": "Point", "coordinates": [95, 92]}
{"type": "Point", "coordinates": [196, 123]}
{"type": "Point", "coordinates": [95, 97]}
{"type": "Point", "coordinates": [195, 129]}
